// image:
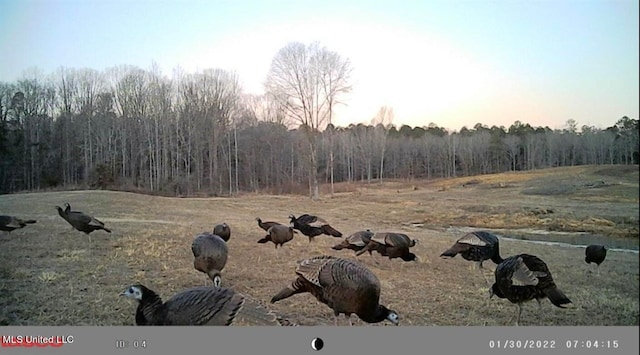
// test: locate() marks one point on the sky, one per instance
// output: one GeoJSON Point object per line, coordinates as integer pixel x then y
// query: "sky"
{"type": "Point", "coordinates": [453, 63]}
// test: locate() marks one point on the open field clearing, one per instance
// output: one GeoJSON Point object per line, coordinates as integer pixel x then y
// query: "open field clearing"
{"type": "Point", "coordinates": [52, 275]}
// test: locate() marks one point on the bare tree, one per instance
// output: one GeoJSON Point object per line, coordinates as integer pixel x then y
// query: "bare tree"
{"type": "Point", "coordinates": [157, 127]}
{"type": "Point", "coordinates": [626, 140]}
{"type": "Point", "coordinates": [365, 140]}
{"type": "Point", "coordinates": [334, 74]}
{"type": "Point", "coordinates": [131, 99]}
{"type": "Point", "coordinates": [31, 105]}
{"type": "Point", "coordinates": [308, 81]}
{"type": "Point", "coordinates": [382, 123]}
{"type": "Point", "coordinates": [512, 143]}
{"type": "Point", "coordinates": [67, 89]}
{"type": "Point", "coordinates": [265, 108]}
{"type": "Point", "coordinates": [90, 84]}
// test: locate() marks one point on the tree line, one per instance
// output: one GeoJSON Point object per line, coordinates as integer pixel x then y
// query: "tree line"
{"type": "Point", "coordinates": [136, 129]}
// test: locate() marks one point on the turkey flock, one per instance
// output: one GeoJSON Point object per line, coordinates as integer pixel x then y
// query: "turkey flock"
{"type": "Point", "coordinates": [344, 285]}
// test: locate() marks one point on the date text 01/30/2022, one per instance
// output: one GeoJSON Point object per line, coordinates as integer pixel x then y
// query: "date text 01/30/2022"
{"type": "Point", "coordinates": [522, 344]}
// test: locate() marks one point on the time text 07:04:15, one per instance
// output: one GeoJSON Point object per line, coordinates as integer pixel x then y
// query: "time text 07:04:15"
{"type": "Point", "coordinates": [592, 344]}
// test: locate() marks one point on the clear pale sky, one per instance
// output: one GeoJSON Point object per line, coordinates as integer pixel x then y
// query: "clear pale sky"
{"type": "Point", "coordinates": [453, 63]}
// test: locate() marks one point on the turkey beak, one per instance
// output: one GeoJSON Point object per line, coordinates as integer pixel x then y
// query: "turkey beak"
{"type": "Point", "coordinates": [490, 293]}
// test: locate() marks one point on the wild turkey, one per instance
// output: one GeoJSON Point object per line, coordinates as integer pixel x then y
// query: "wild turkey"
{"type": "Point", "coordinates": [522, 278]}
{"type": "Point", "coordinates": [81, 221]}
{"type": "Point", "coordinates": [356, 242]}
{"type": "Point", "coordinates": [278, 234]}
{"type": "Point", "coordinates": [313, 226]}
{"type": "Point", "coordinates": [392, 245]}
{"type": "Point", "coordinates": [223, 230]}
{"type": "Point", "coordinates": [255, 312]}
{"type": "Point", "coordinates": [595, 254]}
{"type": "Point", "coordinates": [200, 306]}
{"type": "Point", "coordinates": [265, 225]}
{"type": "Point", "coordinates": [10, 223]}
{"type": "Point", "coordinates": [346, 286]}
{"type": "Point", "coordinates": [476, 246]}
{"type": "Point", "coordinates": [210, 254]}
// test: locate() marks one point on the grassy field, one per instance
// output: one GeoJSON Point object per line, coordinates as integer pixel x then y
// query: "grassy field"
{"type": "Point", "coordinates": [51, 275]}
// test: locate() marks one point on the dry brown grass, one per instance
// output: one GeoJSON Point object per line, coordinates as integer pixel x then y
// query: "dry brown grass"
{"type": "Point", "coordinates": [51, 275]}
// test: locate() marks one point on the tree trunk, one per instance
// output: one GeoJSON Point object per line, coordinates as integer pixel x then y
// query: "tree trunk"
{"type": "Point", "coordinates": [235, 145]}
{"type": "Point", "coordinates": [313, 171]}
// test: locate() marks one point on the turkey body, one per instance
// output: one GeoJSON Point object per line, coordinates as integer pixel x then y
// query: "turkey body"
{"type": "Point", "coordinates": [81, 221]}
{"type": "Point", "coordinates": [10, 223]}
{"type": "Point", "coordinates": [223, 231]}
{"type": "Point", "coordinates": [266, 225]}
{"type": "Point", "coordinates": [476, 246]}
{"type": "Point", "coordinates": [313, 226]}
{"type": "Point", "coordinates": [210, 253]}
{"type": "Point", "coordinates": [345, 286]}
{"type": "Point", "coordinates": [391, 245]}
{"type": "Point", "coordinates": [522, 278]}
{"type": "Point", "coordinates": [278, 234]}
{"type": "Point", "coordinates": [356, 241]}
{"type": "Point", "coordinates": [200, 306]}
{"type": "Point", "coordinates": [595, 254]}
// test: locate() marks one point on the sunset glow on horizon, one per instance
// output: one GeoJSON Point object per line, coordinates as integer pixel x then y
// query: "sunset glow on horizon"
{"type": "Point", "coordinates": [452, 63]}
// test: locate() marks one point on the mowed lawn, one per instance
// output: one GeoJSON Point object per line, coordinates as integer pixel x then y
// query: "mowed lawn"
{"type": "Point", "coordinates": [53, 275]}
